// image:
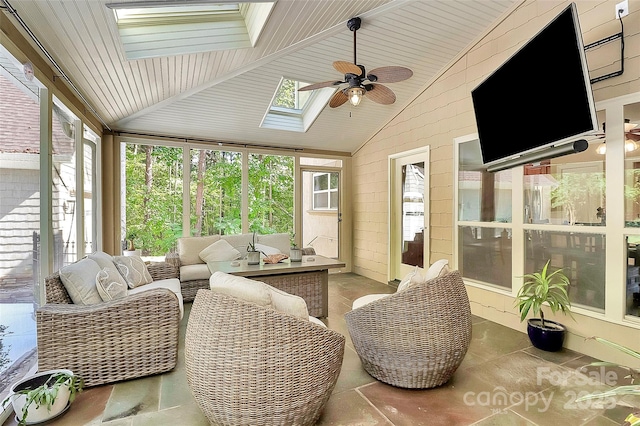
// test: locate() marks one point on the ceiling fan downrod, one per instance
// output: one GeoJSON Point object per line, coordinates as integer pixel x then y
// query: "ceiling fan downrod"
{"type": "Point", "coordinates": [354, 25]}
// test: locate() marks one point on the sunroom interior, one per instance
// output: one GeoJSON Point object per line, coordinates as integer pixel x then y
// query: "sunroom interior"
{"type": "Point", "coordinates": [103, 142]}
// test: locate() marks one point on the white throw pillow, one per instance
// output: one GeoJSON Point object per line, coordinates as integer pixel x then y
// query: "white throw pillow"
{"type": "Point", "coordinates": [219, 251]}
{"type": "Point", "coordinates": [267, 250]}
{"type": "Point", "coordinates": [110, 284]}
{"type": "Point", "coordinates": [437, 269]}
{"type": "Point", "coordinates": [133, 269]}
{"type": "Point", "coordinates": [103, 259]}
{"type": "Point", "coordinates": [406, 281]}
{"type": "Point", "coordinates": [79, 279]}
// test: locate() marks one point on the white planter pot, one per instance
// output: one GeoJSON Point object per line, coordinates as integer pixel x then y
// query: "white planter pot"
{"type": "Point", "coordinates": [295, 254]}
{"type": "Point", "coordinates": [137, 252]}
{"type": "Point", "coordinates": [253, 258]}
{"type": "Point", "coordinates": [41, 413]}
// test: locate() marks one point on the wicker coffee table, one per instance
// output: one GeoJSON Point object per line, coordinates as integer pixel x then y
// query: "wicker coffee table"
{"type": "Point", "coordinates": [308, 279]}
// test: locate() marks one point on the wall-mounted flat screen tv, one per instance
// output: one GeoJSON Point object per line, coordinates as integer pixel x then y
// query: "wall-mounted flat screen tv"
{"type": "Point", "coordinates": [539, 97]}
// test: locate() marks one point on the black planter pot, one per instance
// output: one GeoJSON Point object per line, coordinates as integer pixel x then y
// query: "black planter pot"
{"type": "Point", "coordinates": [548, 338]}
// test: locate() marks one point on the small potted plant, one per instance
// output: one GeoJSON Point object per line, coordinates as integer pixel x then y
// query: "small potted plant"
{"type": "Point", "coordinates": [130, 244]}
{"type": "Point", "coordinates": [540, 288]}
{"type": "Point", "coordinates": [43, 396]}
{"type": "Point", "coordinates": [253, 254]}
{"type": "Point", "coordinates": [295, 253]}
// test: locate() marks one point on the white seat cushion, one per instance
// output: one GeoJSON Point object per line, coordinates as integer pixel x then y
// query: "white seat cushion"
{"type": "Point", "coordinates": [279, 241]}
{"type": "Point", "coordinates": [189, 248]}
{"type": "Point", "coordinates": [259, 293]}
{"type": "Point", "coordinates": [288, 303]}
{"type": "Point", "coordinates": [172, 284]}
{"type": "Point", "coordinates": [241, 287]}
{"type": "Point", "coordinates": [361, 301]}
{"type": "Point", "coordinates": [194, 272]}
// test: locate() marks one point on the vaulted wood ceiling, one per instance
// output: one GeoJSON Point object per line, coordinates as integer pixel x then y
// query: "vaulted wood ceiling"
{"type": "Point", "coordinates": [224, 95]}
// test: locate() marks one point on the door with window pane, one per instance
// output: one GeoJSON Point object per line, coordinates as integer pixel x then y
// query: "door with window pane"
{"type": "Point", "coordinates": [409, 201]}
{"type": "Point", "coordinates": [321, 211]}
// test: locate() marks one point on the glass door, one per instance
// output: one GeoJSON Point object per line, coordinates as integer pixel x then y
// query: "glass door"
{"type": "Point", "coordinates": [409, 210]}
{"type": "Point", "coordinates": [321, 215]}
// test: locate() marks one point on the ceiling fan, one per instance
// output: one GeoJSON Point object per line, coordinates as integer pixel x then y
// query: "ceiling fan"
{"type": "Point", "coordinates": [359, 82]}
{"type": "Point", "coordinates": [631, 136]}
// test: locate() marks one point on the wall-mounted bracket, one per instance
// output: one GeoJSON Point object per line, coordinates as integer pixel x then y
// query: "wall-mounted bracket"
{"type": "Point", "coordinates": [606, 40]}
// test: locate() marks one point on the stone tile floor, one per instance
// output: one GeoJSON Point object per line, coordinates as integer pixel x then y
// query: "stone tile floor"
{"type": "Point", "coordinates": [502, 381]}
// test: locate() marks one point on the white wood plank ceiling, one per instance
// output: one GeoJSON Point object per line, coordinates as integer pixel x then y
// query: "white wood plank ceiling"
{"type": "Point", "coordinates": [223, 95]}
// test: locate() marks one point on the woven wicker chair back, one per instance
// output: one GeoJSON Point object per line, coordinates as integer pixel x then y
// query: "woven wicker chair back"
{"type": "Point", "coordinates": [251, 365]}
{"type": "Point", "coordinates": [55, 290]}
{"type": "Point", "coordinates": [415, 338]}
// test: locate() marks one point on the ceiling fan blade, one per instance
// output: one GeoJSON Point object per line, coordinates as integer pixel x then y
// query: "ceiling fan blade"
{"type": "Point", "coordinates": [389, 74]}
{"type": "Point", "coordinates": [381, 94]}
{"type": "Point", "coordinates": [344, 67]}
{"type": "Point", "coordinates": [320, 85]}
{"type": "Point", "coordinates": [338, 99]}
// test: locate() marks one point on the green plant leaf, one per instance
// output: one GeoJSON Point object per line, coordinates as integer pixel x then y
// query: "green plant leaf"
{"type": "Point", "coordinates": [621, 348]}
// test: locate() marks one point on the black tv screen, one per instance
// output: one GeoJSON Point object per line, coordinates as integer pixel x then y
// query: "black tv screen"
{"type": "Point", "coordinates": [538, 97]}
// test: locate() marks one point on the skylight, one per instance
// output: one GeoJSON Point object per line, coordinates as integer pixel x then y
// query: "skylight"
{"type": "Point", "coordinates": [292, 110]}
{"type": "Point", "coordinates": [176, 29]}
{"type": "Point", "coordinates": [288, 97]}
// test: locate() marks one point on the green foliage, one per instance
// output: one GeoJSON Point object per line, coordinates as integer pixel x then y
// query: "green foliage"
{"type": "Point", "coordinates": [540, 288]}
{"type": "Point", "coordinates": [286, 96]}
{"type": "Point", "coordinates": [153, 200]}
{"type": "Point", "coordinates": [574, 190]}
{"type": "Point", "coordinates": [154, 179]}
{"type": "Point", "coordinates": [46, 394]}
{"type": "Point", "coordinates": [270, 194]}
{"type": "Point", "coordinates": [633, 419]}
{"type": "Point", "coordinates": [218, 209]}
{"type": "Point", "coordinates": [4, 353]}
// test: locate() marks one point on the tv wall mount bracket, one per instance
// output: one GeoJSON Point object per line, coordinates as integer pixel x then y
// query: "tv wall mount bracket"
{"type": "Point", "coordinates": [606, 40]}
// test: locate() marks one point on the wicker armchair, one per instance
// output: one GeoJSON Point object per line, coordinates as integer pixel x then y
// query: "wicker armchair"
{"type": "Point", "coordinates": [123, 339]}
{"type": "Point", "coordinates": [415, 338]}
{"type": "Point", "coordinates": [250, 365]}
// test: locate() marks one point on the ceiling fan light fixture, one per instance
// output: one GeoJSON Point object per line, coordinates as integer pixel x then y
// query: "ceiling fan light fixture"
{"type": "Point", "coordinates": [601, 149]}
{"type": "Point", "coordinates": [630, 145]}
{"type": "Point", "coordinates": [355, 95]}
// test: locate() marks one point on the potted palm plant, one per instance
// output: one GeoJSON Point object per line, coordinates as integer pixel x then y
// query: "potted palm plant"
{"type": "Point", "coordinates": [538, 289]}
{"type": "Point", "coordinates": [43, 396]}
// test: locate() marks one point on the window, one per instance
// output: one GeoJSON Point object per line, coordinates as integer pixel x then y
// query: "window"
{"type": "Point", "coordinates": [293, 110]}
{"type": "Point", "coordinates": [90, 145]}
{"type": "Point", "coordinates": [216, 185]}
{"type": "Point", "coordinates": [631, 130]}
{"type": "Point", "coordinates": [270, 207]}
{"type": "Point", "coordinates": [65, 188]}
{"type": "Point", "coordinates": [178, 29]}
{"type": "Point", "coordinates": [152, 200]}
{"type": "Point", "coordinates": [484, 207]}
{"type": "Point", "coordinates": [19, 220]}
{"type": "Point", "coordinates": [325, 191]}
{"type": "Point", "coordinates": [289, 98]}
